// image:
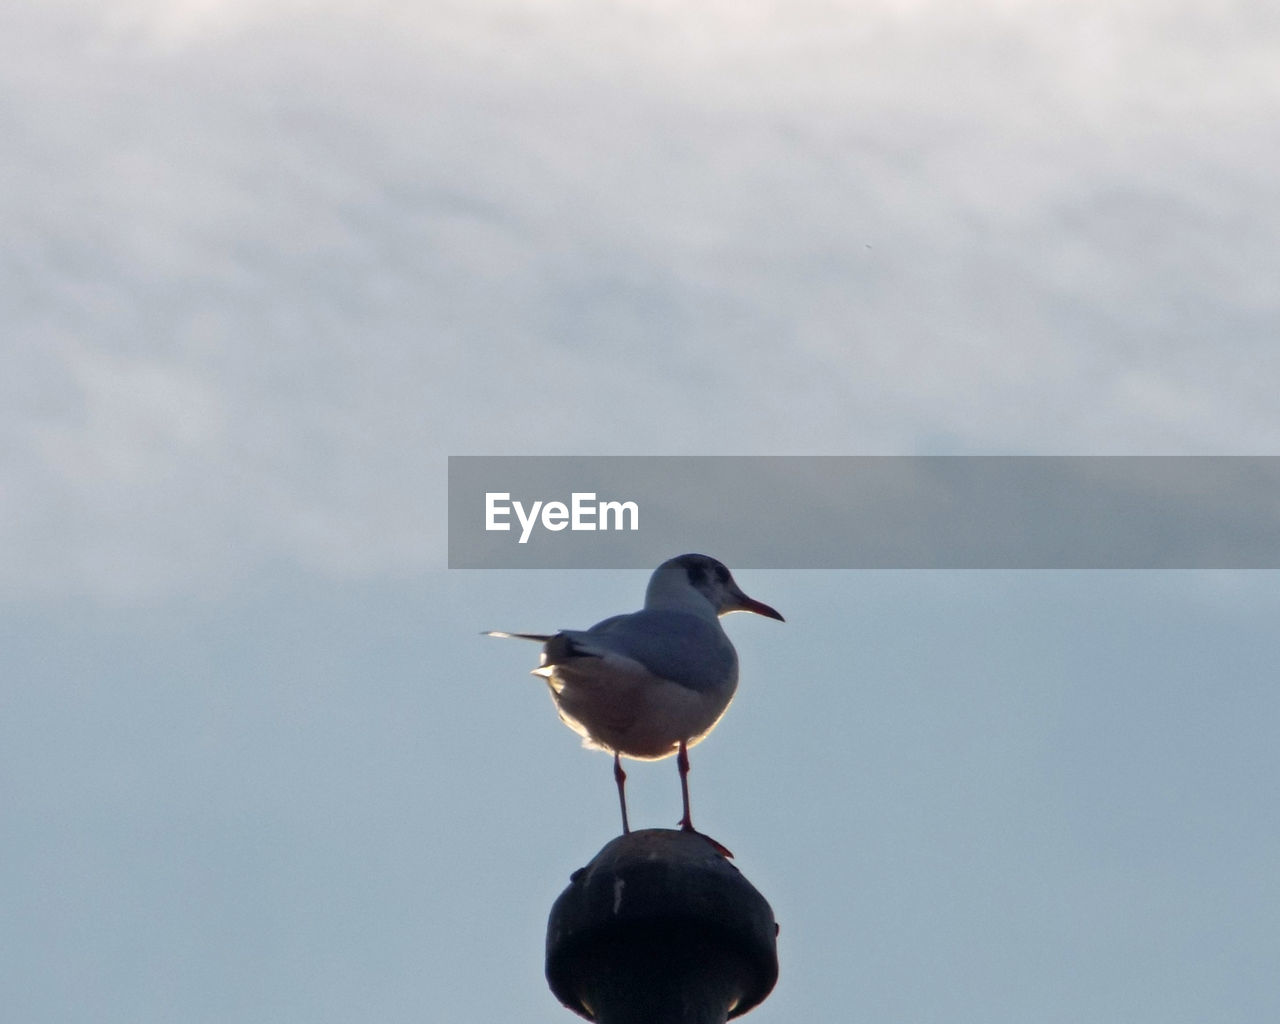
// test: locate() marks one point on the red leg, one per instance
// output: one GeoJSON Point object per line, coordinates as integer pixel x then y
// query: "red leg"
{"type": "Point", "coordinates": [682, 762]}
{"type": "Point", "coordinates": [620, 777]}
{"type": "Point", "coordinates": [686, 823]}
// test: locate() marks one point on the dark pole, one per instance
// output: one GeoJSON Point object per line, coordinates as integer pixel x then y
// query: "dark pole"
{"type": "Point", "coordinates": [660, 929]}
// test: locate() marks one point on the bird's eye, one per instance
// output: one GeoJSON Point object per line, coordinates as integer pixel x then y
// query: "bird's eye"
{"type": "Point", "coordinates": [722, 574]}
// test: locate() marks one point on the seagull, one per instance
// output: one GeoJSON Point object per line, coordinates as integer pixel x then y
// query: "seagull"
{"type": "Point", "coordinates": [652, 683]}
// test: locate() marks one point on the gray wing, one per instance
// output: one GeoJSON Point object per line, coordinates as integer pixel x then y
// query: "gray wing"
{"type": "Point", "coordinates": [685, 649]}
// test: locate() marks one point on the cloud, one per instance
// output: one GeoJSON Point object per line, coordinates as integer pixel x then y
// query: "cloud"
{"type": "Point", "coordinates": [270, 263]}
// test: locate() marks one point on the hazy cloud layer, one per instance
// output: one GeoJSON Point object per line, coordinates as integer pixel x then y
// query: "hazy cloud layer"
{"type": "Point", "coordinates": [266, 265]}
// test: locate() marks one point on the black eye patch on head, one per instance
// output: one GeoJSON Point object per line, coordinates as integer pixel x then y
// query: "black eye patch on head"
{"type": "Point", "coordinates": [697, 574]}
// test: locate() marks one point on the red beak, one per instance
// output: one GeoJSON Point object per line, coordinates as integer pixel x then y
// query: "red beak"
{"type": "Point", "coordinates": [750, 604]}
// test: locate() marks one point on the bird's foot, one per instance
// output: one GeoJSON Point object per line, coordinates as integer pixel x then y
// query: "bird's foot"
{"type": "Point", "coordinates": [720, 848]}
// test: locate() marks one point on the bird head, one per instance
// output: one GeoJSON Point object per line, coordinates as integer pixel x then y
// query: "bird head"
{"type": "Point", "coordinates": [691, 582]}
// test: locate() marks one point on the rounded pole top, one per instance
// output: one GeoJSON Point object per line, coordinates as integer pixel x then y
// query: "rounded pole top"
{"type": "Point", "coordinates": [661, 927]}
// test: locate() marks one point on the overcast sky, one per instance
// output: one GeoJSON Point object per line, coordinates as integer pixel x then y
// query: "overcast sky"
{"type": "Point", "coordinates": [266, 265]}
